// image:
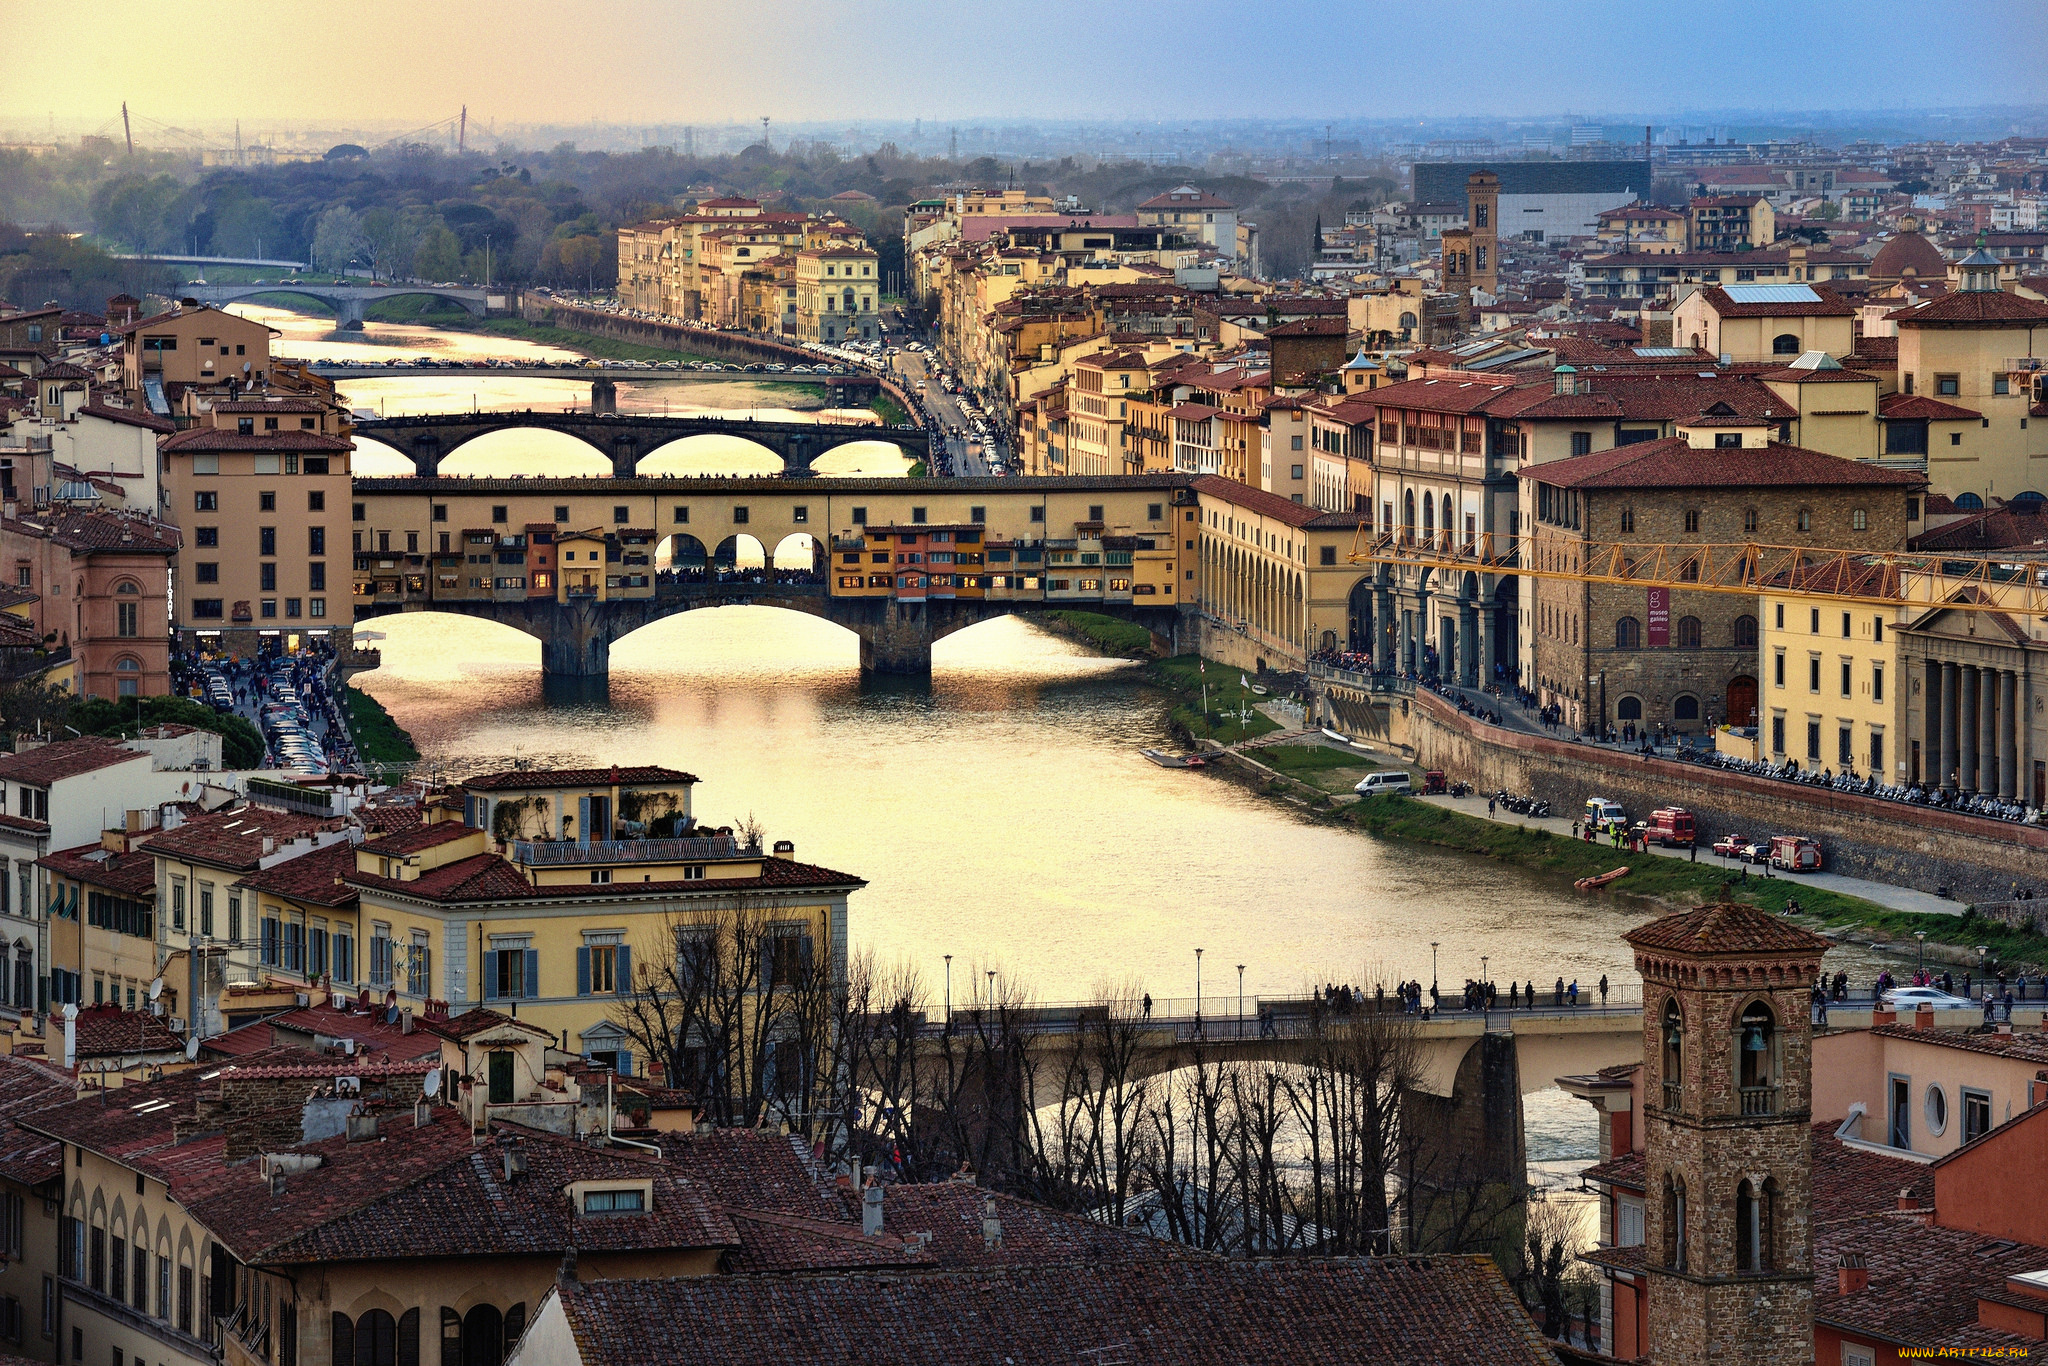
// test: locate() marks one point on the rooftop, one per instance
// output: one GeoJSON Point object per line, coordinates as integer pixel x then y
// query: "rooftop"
{"type": "Point", "coordinates": [547, 779]}
{"type": "Point", "coordinates": [1725, 927]}
{"type": "Point", "coordinates": [62, 759]}
{"type": "Point", "coordinates": [1673, 462]}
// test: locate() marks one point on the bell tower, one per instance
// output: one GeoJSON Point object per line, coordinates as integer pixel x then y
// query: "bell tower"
{"type": "Point", "coordinates": [1482, 214]}
{"type": "Point", "coordinates": [1728, 1053]}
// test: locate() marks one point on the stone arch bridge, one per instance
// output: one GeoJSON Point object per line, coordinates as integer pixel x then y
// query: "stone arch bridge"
{"type": "Point", "coordinates": [349, 302]}
{"type": "Point", "coordinates": [1473, 1068]}
{"type": "Point", "coordinates": [626, 440]}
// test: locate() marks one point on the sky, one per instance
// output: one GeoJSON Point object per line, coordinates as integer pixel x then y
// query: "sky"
{"type": "Point", "coordinates": [376, 62]}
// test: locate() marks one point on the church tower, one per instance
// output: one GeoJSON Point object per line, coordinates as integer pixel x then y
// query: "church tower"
{"type": "Point", "coordinates": [1728, 1051]}
{"type": "Point", "coordinates": [1482, 215]}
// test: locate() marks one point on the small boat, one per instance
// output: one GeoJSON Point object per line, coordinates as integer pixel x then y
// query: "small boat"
{"type": "Point", "coordinates": [1360, 744]}
{"type": "Point", "coordinates": [1339, 736]}
{"type": "Point", "coordinates": [1594, 884]}
{"type": "Point", "coordinates": [1165, 760]}
{"type": "Point", "coordinates": [1258, 689]}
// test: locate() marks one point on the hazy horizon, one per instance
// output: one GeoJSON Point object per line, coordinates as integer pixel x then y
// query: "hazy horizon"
{"type": "Point", "coordinates": [381, 64]}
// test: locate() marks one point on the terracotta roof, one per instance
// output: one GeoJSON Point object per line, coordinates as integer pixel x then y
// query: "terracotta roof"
{"type": "Point", "coordinates": [133, 417]}
{"type": "Point", "coordinates": [480, 877]}
{"type": "Point", "coordinates": [108, 1032]}
{"type": "Point", "coordinates": [305, 1028]}
{"type": "Point", "coordinates": [315, 877]}
{"type": "Point", "coordinates": [418, 836]}
{"type": "Point", "coordinates": [1908, 251]}
{"type": "Point", "coordinates": [29, 1085]}
{"type": "Point", "coordinates": [97, 531]}
{"type": "Point", "coordinates": [1725, 927]}
{"type": "Point", "coordinates": [1904, 406]}
{"type": "Point", "coordinates": [262, 404]}
{"type": "Point", "coordinates": [131, 874]}
{"type": "Point", "coordinates": [1674, 462]}
{"type": "Point", "coordinates": [1870, 348]}
{"type": "Point", "coordinates": [470, 1023]}
{"type": "Point", "coordinates": [1033, 1234]}
{"type": "Point", "coordinates": [535, 779]}
{"type": "Point", "coordinates": [1828, 305]}
{"type": "Point", "coordinates": [62, 759]}
{"type": "Point", "coordinates": [1424, 1311]}
{"type": "Point", "coordinates": [771, 1242]}
{"type": "Point", "coordinates": [2023, 1047]}
{"type": "Point", "coordinates": [1186, 197]}
{"type": "Point", "coordinates": [1975, 307]}
{"type": "Point", "coordinates": [2001, 527]}
{"type": "Point", "coordinates": [1272, 505]}
{"type": "Point", "coordinates": [1924, 1282]}
{"type": "Point", "coordinates": [221, 439]}
{"type": "Point", "coordinates": [25, 825]}
{"type": "Point", "coordinates": [234, 838]}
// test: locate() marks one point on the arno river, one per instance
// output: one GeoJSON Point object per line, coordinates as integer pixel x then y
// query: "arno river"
{"type": "Point", "coordinates": [1003, 815]}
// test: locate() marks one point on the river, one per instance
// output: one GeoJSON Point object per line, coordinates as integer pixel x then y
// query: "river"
{"type": "Point", "coordinates": [1003, 814]}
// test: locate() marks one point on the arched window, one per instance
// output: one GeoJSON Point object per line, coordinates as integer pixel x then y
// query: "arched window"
{"type": "Point", "coordinates": [1685, 707]}
{"type": "Point", "coordinates": [1408, 513]}
{"type": "Point", "coordinates": [376, 1340]}
{"type": "Point", "coordinates": [1628, 634]}
{"type": "Point", "coordinates": [1695, 341]}
{"type": "Point", "coordinates": [1673, 1056]}
{"type": "Point", "coordinates": [1428, 517]}
{"type": "Point", "coordinates": [1757, 1044]}
{"type": "Point", "coordinates": [1688, 633]}
{"type": "Point", "coordinates": [1751, 1246]}
{"type": "Point", "coordinates": [1745, 633]}
{"type": "Point", "coordinates": [1674, 1223]}
{"type": "Point", "coordinates": [483, 1336]}
{"type": "Point", "coordinates": [1970, 502]}
{"type": "Point", "coordinates": [1785, 344]}
{"type": "Point", "coordinates": [1629, 709]}
{"type": "Point", "coordinates": [127, 586]}
{"type": "Point", "coordinates": [1407, 322]}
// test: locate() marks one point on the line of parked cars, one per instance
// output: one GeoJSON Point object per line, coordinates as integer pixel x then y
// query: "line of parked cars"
{"type": "Point", "coordinates": [1674, 827]}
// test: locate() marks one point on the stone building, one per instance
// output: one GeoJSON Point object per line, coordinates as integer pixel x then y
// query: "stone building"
{"type": "Point", "coordinates": [1974, 718]}
{"type": "Point", "coordinates": [1728, 1231]}
{"type": "Point", "coordinates": [1611, 653]}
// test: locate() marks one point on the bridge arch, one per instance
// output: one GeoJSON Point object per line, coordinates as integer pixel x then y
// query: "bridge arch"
{"type": "Point", "coordinates": [681, 550]}
{"type": "Point", "coordinates": [799, 550]}
{"type": "Point", "coordinates": [867, 457]}
{"type": "Point", "coordinates": [739, 551]}
{"type": "Point", "coordinates": [526, 451]}
{"type": "Point", "coordinates": [709, 453]}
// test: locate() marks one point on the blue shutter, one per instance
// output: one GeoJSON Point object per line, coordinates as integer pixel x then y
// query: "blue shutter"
{"type": "Point", "coordinates": [624, 983]}
{"type": "Point", "coordinates": [490, 976]}
{"type": "Point", "coordinates": [532, 974]}
{"type": "Point", "coordinates": [625, 1063]}
{"type": "Point", "coordinates": [583, 971]}
{"type": "Point", "coordinates": [583, 820]}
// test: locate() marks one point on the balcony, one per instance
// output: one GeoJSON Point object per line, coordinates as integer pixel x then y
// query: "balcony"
{"type": "Point", "coordinates": [1674, 1095]}
{"type": "Point", "coordinates": [1758, 1100]}
{"type": "Point", "coordinates": [562, 853]}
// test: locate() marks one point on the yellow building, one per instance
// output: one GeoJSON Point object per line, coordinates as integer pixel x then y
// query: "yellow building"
{"type": "Point", "coordinates": [1833, 693]}
{"type": "Point", "coordinates": [201, 345]}
{"type": "Point", "coordinates": [836, 292]}
{"type": "Point", "coordinates": [102, 900]}
{"type": "Point", "coordinates": [1752, 322]}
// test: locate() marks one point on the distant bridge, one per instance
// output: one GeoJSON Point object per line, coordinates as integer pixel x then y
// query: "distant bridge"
{"type": "Point", "coordinates": [580, 371]}
{"type": "Point", "coordinates": [262, 262]}
{"type": "Point", "coordinates": [624, 440]}
{"type": "Point", "coordinates": [347, 301]}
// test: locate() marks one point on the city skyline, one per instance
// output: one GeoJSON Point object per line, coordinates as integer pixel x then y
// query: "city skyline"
{"type": "Point", "coordinates": [900, 60]}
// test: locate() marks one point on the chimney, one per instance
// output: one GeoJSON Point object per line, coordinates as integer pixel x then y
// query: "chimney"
{"type": "Point", "coordinates": [70, 1036]}
{"type": "Point", "coordinates": [871, 1210]}
{"type": "Point", "coordinates": [1923, 1018]}
{"type": "Point", "coordinates": [991, 1225]}
{"type": "Point", "coordinates": [1883, 1017]}
{"type": "Point", "coordinates": [2037, 1089]}
{"type": "Point", "coordinates": [1907, 1202]}
{"type": "Point", "coordinates": [1852, 1274]}
{"type": "Point", "coordinates": [785, 849]}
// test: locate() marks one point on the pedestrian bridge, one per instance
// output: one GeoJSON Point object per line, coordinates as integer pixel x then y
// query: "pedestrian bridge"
{"type": "Point", "coordinates": [347, 301]}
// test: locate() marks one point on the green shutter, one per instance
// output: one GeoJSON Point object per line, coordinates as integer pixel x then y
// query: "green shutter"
{"type": "Point", "coordinates": [583, 971]}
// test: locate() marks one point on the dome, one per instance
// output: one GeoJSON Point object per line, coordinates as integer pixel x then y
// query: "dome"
{"type": "Point", "coordinates": [1908, 252]}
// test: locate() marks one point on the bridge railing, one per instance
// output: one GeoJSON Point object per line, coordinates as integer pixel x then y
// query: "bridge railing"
{"type": "Point", "coordinates": [1365, 682]}
{"type": "Point", "coordinates": [1289, 1012]}
{"type": "Point", "coordinates": [556, 853]}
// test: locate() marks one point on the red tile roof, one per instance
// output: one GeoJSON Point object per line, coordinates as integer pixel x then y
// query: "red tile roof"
{"type": "Point", "coordinates": [1904, 406]}
{"type": "Point", "coordinates": [1425, 1311]}
{"type": "Point", "coordinates": [480, 877]}
{"type": "Point", "coordinates": [1033, 1234]}
{"type": "Point", "coordinates": [133, 417]}
{"type": "Point", "coordinates": [131, 874]}
{"type": "Point", "coordinates": [1725, 927]}
{"type": "Point", "coordinates": [1674, 462]}
{"type": "Point", "coordinates": [1828, 305]}
{"type": "Point", "coordinates": [305, 1028]}
{"type": "Point", "coordinates": [471, 1023]}
{"type": "Point", "coordinates": [235, 838]}
{"type": "Point", "coordinates": [108, 1031]}
{"type": "Point", "coordinates": [534, 779]}
{"type": "Point", "coordinates": [1975, 308]}
{"type": "Point", "coordinates": [222, 439]}
{"type": "Point", "coordinates": [314, 877]}
{"type": "Point", "coordinates": [62, 759]}
{"type": "Point", "coordinates": [28, 1086]}
{"type": "Point", "coordinates": [2001, 527]}
{"type": "Point", "coordinates": [97, 531]}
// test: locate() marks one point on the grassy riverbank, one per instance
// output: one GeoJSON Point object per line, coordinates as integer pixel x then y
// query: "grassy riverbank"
{"type": "Point", "coordinates": [583, 343]}
{"type": "Point", "coordinates": [1228, 701]}
{"type": "Point", "coordinates": [379, 739]}
{"type": "Point", "coordinates": [1682, 883]}
{"type": "Point", "coordinates": [1111, 635]}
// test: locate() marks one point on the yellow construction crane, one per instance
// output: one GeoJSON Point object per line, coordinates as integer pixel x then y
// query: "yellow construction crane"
{"type": "Point", "coordinates": [1899, 579]}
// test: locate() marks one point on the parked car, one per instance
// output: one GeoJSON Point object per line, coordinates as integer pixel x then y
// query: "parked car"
{"type": "Point", "coordinates": [1756, 851]}
{"type": "Point", "coordinates": [1909, 1000]}
{"type": "Point", "coordinates": [1731, 846]}
{"type": "Point", "coordinates": [1387, 780]}
{"type": "Point", "coordinates": [1604, 815]}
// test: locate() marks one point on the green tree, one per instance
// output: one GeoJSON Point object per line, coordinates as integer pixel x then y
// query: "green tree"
{"type": "Point", "coordinates": [338, 239]}
{"type": "Point", "coordinates": [438, 255]}
{"type": "Point", "coordinates": [241, 744]}
{"type": "Point", "coordinates": [135, 211]}
{"type": "Point", "coordinates": [245, 226]}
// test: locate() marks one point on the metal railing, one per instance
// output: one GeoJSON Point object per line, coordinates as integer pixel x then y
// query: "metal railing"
{"type": "Point", "coordinates": [1363, 681]}
{"type": "Point", "coordinates": [554, 853]}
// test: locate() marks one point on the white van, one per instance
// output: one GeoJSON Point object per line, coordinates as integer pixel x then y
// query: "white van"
{"type": "Point", "coordinates": [1387, 780]}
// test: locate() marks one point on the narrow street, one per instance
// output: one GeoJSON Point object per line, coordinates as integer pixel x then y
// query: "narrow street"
{"type": "Point", "coordinates": [945, 410]}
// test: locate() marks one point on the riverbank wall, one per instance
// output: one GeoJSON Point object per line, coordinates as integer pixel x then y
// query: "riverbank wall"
{"type": "Point", "coordinates": [735, 347]}
{"type": "Point", "coordinates": [1974, 859]}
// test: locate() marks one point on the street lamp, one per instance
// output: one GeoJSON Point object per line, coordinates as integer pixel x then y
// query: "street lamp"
{"type": "Point", "coordinates": [991, 986]}
{"type": "Point", "coordinates": [1921, 935]}
{"type": "Point", "coordinates": [1240, 999]}
{"type": "Point", "coordinates": [1198, 989]}
{"type": "Point", "coordinates": [949, 989]}
{"type": "Point", "coordinates": [1432, 964]}
{"type": "Point", "coordinates": [1982, 949]}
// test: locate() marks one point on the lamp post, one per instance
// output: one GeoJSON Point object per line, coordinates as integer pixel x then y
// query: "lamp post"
{"type": "Point", "coordinates": [991, 986]}
{"type": "Point", "coordinates": [1198, 991]}
{"type": "Point", "coordinates": [949, 991]}
{"type": "Point", "coordinates": [1240, 1000]}
{"type": "Point", "coordinates": [1921, 935]}
{"type": "Point", "coordinates": [1432, 964]}
{"type": "Point", "coordinates": [1982, 949]}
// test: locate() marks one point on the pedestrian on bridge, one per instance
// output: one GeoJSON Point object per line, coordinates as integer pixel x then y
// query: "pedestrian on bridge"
{"type": "Point", "coordinates": [1148, 1005]}
{"type": "Point", "coordinates": [1603, 988]}
{"type": "Point", "coordinates": [1514, 994]}
{"type": "Point", "coordinates": [1557, 993]}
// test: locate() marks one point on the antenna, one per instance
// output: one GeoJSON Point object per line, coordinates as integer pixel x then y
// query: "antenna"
{"type": "Point", "coordinates": [191, 1048]}
{"type": "Point", "coordinates": [127, 129]}
{"type": "Point", "coordinates": [156, 988]}
{"type": "Point", "coordinates": [431, 1083]}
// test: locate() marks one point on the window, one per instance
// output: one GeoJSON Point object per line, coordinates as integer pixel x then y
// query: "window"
{"type": "Point", "coordinates": [498, 513]}
{"type": "Point", "coordinates": [206, 500]}
{"type": "Point", "coordinates": [1976, 1115]}
{"type": "Point", "coordinates": [1628, 634]}
{"type": "Point", "coordinates": [1813, 673]}
{"type": "Point", "coordinates": [316, 575]}
{"type": "Point", "coordinates": [1692, 520]}
{"type": "Point", "coordinates": [316, 540]}
{"type": "Point", "coordinates": [1812, 741]}
{"type": "Point", "coordinates": [1877, 682]}
{"type": "Point", "coordinates": [860, 516]}
{"type": "Point", "coordinates": [1848, 675]}
{"type": "Point", "coordinates": [1859, 520]}
{"type": "Point", "coordinates": [1685, 707]}
{"type": "Point", "coordinates": [1947, 386]}
{"type": "Point", "coordinates": [1628, 520]}
{"type": "Point", "coordinates": [620, 514]}
{"type": "Point", "coordinates": [1328, 554]}
{"type": "Point", "coordinates": [266, 502]}
{"type": "Point", "coordinates": [1777, 735]}
{"type": "Point", "coordinates": [1728, 441]}
{"type": "Point", "coordinates": [1778, 669]}
{"type": "Point", "coordinates": [614, 1202]}
{"type": "Point", "coordinates": [1687, 635]}
{"type": "Point", "coordinates": [1785, 344]}
{"type": "Point", "coordinates": [1845, 747]}
{"type": "Point", "coordinates": [1745, 632]}
{"type": "Point", "coordinates": [266, 540]}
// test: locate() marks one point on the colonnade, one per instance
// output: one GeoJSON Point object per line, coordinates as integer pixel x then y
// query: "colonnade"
{"type": "Point", "coordinates": [1973, 727]}
{"type": "Point", "coordinates": [1268, 596]}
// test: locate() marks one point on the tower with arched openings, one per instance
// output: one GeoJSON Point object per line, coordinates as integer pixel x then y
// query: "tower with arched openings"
{"type": "Point", "coordinates": [1728, 1052]}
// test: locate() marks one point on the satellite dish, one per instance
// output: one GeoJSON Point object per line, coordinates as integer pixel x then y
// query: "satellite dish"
{"type": "Point", "coordinates": [191, 1048]}
{"type": "Point", "coordinates": [431, 1083]}
{"type": "Point", "coordinates": [156, 988]}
